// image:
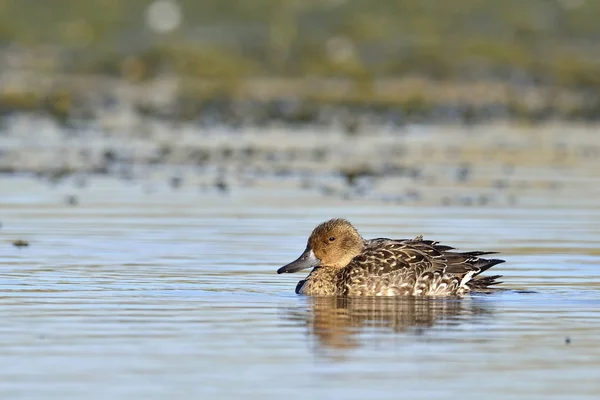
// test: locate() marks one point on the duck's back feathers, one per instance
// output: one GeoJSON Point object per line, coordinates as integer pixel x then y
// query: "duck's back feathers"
{"type": "Point", "coordinates": [414, 267]}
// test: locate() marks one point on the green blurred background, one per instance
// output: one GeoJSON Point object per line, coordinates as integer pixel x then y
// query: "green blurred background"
{"type": "Point", "coordinates": [538, 59]}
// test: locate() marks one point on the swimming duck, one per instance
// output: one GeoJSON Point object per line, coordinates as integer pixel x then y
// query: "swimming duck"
{"type": "Point", "coordinates": [345, 264]}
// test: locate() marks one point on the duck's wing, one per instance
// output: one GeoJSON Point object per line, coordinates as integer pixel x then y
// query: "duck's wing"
{"type": "Point", "coordinates": [418, 257]}
{"type": "Point", "coordinates": [383, 256]}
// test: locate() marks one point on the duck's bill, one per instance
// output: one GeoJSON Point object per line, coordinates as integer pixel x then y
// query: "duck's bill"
{"type": "Point", "coordinates": [306, 260]}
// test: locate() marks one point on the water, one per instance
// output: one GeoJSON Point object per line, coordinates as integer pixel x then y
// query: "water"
{"type": "Point", "coordinates": [173, 294]}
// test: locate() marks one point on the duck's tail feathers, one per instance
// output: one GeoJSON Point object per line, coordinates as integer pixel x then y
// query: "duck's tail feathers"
{"type": "Point", "coordinates": [485, 264]}
{"type": "Point", "coordinates": [483, 283]}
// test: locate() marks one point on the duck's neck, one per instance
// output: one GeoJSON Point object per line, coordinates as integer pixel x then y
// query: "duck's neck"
{"type": "Point", "coordinates": [320, 282]}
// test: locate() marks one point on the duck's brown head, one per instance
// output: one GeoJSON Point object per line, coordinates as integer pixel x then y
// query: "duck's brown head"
{"type": "Point", "coordinates": [331, 244]}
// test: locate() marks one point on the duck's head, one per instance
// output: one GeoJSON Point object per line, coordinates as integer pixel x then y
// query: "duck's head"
{"type": "Point", "coordinates": [331, 244]}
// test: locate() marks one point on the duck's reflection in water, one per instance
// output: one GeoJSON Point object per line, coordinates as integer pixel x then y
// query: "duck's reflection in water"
{"type": "Point", "coordinates": [338, 322]}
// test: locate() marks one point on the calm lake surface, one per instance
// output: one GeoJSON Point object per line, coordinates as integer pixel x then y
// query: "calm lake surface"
{"type": "Point", "coordinates": [160, 293]}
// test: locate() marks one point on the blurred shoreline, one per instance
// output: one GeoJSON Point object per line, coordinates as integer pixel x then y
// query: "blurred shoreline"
{"type": "Point", "coordinates": [262, 100]}
{"type": "Point", "coordinates": [385, 100]}
{"type": "Point", "coordinates": [497, 165]}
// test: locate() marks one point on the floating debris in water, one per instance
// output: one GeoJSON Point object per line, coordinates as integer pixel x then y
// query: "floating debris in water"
{"type": "Point", "coordinates": [222, 186]}
{"type": "Point", "coordinates": [226, 153]}
{"type": "Point", "coordinates": [319, 154]}
{"type": "Point", "coordinates": [109, 156]}
{"type": "Point", "coordinates": [249, 152]}
{"type": "Point", "coordinates": [72, 200]}
{"type": "Point", "coordinates": [58, 174]}
{"type": "Point", "coordinates": [199, 156]}
{"type": "Point", "coordinates": [20, 243]}
{"type": "Point", "coordinates": [462, 175]}
{"type": "Point", "coordinates": [352, 174]}
{"type": "Point", "coordinates": [567, 340]}
{"type": "Point", "coordinates": [164, 151]}
{"type": "Point", "coordinates": [175, 182]}
{"type": "Point", "coordinates": [351, 126]}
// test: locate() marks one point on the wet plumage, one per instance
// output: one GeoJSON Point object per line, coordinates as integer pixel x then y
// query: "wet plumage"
{"type": "Point", "coordinates": [345, 264]}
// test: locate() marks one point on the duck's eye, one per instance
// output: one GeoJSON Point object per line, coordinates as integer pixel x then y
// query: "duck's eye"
{"type": "Point", "coordinates": [331, 239]}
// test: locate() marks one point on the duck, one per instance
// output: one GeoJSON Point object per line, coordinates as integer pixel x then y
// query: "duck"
{"type": "Point", "coordinates": [345, 264]}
